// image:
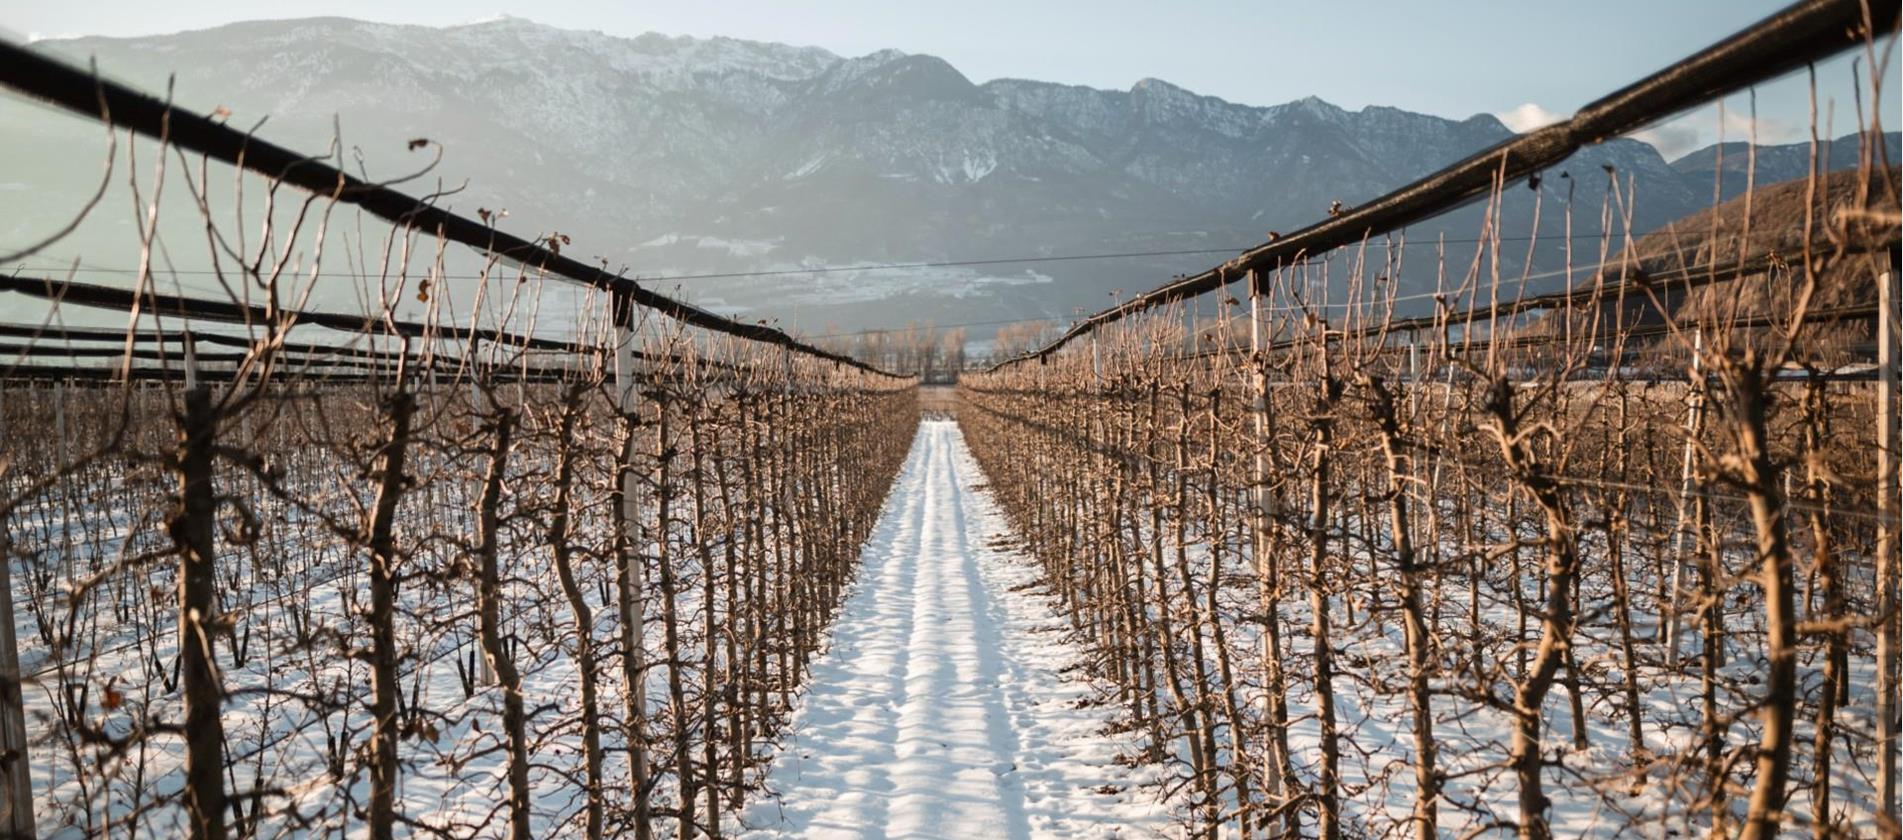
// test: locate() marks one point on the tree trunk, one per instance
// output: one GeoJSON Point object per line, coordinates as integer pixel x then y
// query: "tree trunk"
{"type": "Point", "coordinates": [383, 584]}
{"type": "Point", "coordinates": [489, 612]}
{"type": "Point", "coordinates": [1758, 476]}
{"type": "Point", "coordinates": [584, 616]}
{"type": "Point", "coordinates": [1413, 618]}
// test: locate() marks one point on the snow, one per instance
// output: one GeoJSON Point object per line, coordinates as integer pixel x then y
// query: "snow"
{"type": "Point", "coordinates": [846, 72]}
{"type": "Point", "coordinates": [738, 247]}
{"type": "Point", "coordinates": [809, 167]}
{"type": "Point", "coordinates": [972, 168]}
{"type": "Point", "coordinates": [945, 703]}
{"type": "Point", "coordinates": [735, 247]}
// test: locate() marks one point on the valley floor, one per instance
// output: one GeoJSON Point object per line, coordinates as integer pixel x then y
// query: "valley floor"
{"type": "Point", "coordinates": [949, 704]}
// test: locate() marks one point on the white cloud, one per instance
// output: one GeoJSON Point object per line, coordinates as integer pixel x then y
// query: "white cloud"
{"type": "Point", "coordinates": [1529, 116]}
{"type": "Point", "coordinates": [1673, 140]}
{"type": "Point", "coordinates": [1702, 128]}
{"type": "Point", "coordinates": [1739, 126]}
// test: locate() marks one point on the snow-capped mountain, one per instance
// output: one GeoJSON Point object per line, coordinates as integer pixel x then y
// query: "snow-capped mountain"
{"type": "Point", "coordinates": [674, 155]}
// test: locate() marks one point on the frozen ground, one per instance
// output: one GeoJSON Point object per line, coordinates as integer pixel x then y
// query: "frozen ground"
{"type": "Point", "coordinates": [946, 705]}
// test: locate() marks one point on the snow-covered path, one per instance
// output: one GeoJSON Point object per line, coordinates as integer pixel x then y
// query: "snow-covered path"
{"type": "Point", "coordinates": [943, 706]}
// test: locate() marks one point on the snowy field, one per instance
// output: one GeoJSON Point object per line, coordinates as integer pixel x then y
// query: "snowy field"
{"type": "Point", "coordinates": [950, 702]}
{"type": "Point", "coordinates": [723, 540]}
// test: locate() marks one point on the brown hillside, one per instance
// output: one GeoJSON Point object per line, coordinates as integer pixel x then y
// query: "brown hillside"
{"type": "Point", "coordinates": [1853, 225]}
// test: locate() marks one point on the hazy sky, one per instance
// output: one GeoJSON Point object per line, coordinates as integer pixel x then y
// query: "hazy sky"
{"type": "Point", "coordinates": [1520, 59]}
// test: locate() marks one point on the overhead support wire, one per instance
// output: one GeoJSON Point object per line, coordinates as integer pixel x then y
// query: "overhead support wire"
{"type": "Point", "coordinates": [1799, 34]}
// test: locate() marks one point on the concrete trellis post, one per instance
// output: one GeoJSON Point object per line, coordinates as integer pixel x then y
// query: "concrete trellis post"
{"type": "Point", "coordinates": [1189, 328]}
{"type": "Point", "coordinates": [1259, 347]}
{"type": "Point", "coordinates": [485, 671]}
{"type": "Point", "coordinates": [16, 786]}
{"type": "Point", "coordinates": [1693, 422]}
{"type": "Point", "coordinates": [191, 362]}
{"type": "Point", "coordinates": [475, 363]}
{"type": "Point", "coordinates": [193, 533]}
{"type": "Point", "coordinates": [1413, 391]}
{"type": "Point", "coordinates": [1889, 356]}
{"type": "Point", "coordinates": [633, 604]}
{"type": "Point", "coordinates": [1413, 359]}
{"type": "Point", "coordinates": [1263, 516]}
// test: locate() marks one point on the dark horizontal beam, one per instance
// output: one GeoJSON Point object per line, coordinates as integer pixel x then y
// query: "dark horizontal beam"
{"type": "Point", "coordinates": [1630, 287]}
{"type": "Point", "coordinates": [1630, 283]}
{"type": "Point", "coordinates": [39, 334]}
{"type": "Point", "coordinates": [300, 365]}
{"type": "Point", "coordinates": [123, 300]}
{"type": "Point", "coordinates": [118, 299]}
{"type": "Point", "coordinates": [1801, 33]}
{"type": "Point", "coordinates": [44, 77]}
{"type": "Point", "coordinates": [114, 376]}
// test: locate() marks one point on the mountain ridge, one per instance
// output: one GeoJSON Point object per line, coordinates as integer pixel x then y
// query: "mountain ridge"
{"type": "Point", "coordinates": [682, 155]}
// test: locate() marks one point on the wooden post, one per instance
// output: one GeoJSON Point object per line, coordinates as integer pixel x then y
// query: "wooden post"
{"type": "Point", "coordinates": [16, 787]}
{"type": "Point", "coordinates": [1673, 626]}
{"type": "Point", "coordinates": [1888, 354]}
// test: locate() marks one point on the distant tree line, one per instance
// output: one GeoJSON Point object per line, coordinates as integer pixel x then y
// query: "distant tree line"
{"type": "Point", "coordinates": [935, 356]}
